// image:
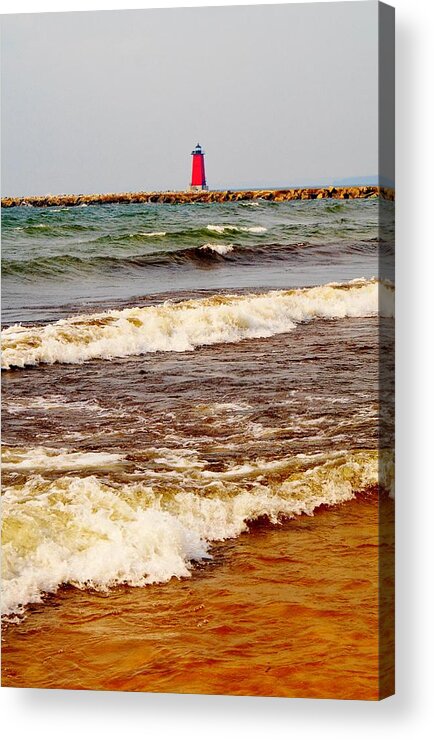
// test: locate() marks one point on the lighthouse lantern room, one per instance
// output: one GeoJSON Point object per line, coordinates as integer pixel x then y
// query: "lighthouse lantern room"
{"type": "Point", "coordinates": [198, 179]}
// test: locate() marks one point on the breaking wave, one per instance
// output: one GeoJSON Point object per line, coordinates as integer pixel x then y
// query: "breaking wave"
{"type": "Point", "coordinates": [212, 254]}
{"type": "Point", "coordinates": [183, 326]}
{"type": "Point", "coordinates": [18, 459]}
{"type": "Point", "coordinates": [220, 249]}
{"type": "Point", "coordinates": [221, 228]}
{"type": "Point", "coordinates": [96, 532]}
{"type": "Point", "coordinates": [149, 233]}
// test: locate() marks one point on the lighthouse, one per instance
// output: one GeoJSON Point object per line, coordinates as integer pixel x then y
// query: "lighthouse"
{"type": "Point", "coordinates": [198, 179]}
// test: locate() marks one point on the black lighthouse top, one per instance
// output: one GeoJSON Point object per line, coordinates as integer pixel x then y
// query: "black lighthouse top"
{"type": "Point", "coordinates": [198, 150]}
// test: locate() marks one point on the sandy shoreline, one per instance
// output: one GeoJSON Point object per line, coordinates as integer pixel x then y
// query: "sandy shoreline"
{"type": "Point", "coordinates": [289, 610]}
{"type": "Point", "coordinates": [206, 196]}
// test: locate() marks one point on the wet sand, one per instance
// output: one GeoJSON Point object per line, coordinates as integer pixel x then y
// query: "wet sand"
{"type": "Point", "coordinates": [290, 610]}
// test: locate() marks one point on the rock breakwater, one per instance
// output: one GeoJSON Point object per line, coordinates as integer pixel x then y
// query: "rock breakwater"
{"type": "Point", "coordinates": [212, 196]}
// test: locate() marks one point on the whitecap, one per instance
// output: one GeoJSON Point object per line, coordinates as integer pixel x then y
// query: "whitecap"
{"type": "Point", "coordinates": [93, 532]}
{"type": "Point", "coordinates": [46, 458]}
{"type": "Point", "coordinates": [180, 327]}
{"type": "Point", "coordinates": [221, 228]}
{"type": "Point", "coordinates": [149, 233]}
{"type": "Point", "coordinates": [219, 248]}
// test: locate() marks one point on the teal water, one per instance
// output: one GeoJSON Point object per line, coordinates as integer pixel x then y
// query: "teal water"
{"type": "Point", "coordinates": [55, 260]}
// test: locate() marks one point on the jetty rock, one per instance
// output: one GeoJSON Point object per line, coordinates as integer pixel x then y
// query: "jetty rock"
{"type": "Point", "coordinates": [204, 196]}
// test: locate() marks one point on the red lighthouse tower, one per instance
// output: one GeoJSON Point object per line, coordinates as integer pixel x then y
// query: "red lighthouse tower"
{"type": "Point", "coordinates": [198, 180]}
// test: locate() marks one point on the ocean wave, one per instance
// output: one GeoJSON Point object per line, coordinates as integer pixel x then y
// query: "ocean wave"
{"type": "Point", "coordinates": [70, 265]}
{"type": "Point", "coordinates": [53, 229]}
{"type": "Point", "coordinates": [49, 267]}
{"type": "Point", "coordinates": [17, 459]}
{"type": "Point", "coordinates": [207, 254]}
{"type": "Point", "coordinates": [51, 402]}
{"type": "Point", "coordinates": [64, 265]}
{"type": "Point", "coordinates": [93, 532]}
{"type": "Point", "coordinates": [220, 249]}
{"type": "Point", "coordinates": [222, 228]}
{"type": "Point", "coordinates": [183, 326]}
{"type": "Point", "coordinates": [148, 233]}
{"type": "Point", "coordinates": [179, 235]}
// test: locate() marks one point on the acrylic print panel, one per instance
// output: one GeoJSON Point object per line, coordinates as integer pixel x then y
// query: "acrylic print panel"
{"type": "Point", "coordinates": [198, 350]}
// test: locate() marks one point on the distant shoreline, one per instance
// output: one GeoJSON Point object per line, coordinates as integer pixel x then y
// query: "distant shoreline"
{"type": "Point", "coordinates": [211, 196]}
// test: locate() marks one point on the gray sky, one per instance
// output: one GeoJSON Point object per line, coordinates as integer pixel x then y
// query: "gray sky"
{"type": "Point", "coordinates": [115, 101]}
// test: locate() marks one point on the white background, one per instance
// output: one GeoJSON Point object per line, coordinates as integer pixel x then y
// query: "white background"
{"type": "Point", "coordinates": [34, 714]}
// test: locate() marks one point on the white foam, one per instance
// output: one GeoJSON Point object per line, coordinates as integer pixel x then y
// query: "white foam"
{"type": "Point", "coordinates": [180, 327]}
{"type": "Point", "coordinates": [229, 406]}
{"type": "Point", "coordinates": [46, 458]}
{"type": "Point", "coordinates": [219, 248]}
{"type": "Point", "coordinates": [150, 233]}
{"type": "Point", "coordinates": [47, 403]}
{"type": "Point", "coordinates": [90, 532]}
{"type": "Point", "coordinates": [221, 228]}
{"type": "Point", "coordinates": [80, 531]}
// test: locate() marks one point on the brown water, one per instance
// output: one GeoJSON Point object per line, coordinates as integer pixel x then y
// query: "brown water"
{"type": "Point", "coordinates": [291, 610]}
{"type": "Point", "coordinates": [140, 469]}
